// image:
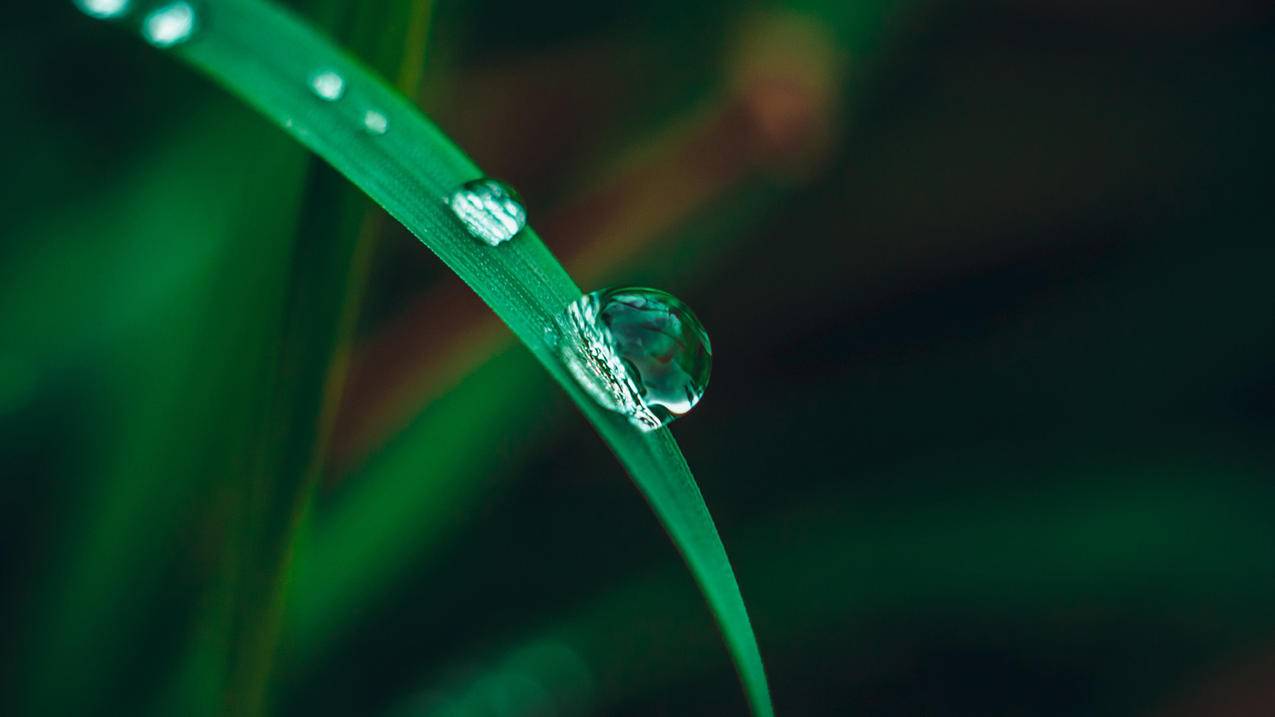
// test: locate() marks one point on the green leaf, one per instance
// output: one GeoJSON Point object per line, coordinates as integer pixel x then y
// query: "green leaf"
{"type": "Point", "coordinates": [266, 56]}
{"type": "Point", "coordinates": [336, 233]}
{"type": "Point", "coordinates": [157, 355]}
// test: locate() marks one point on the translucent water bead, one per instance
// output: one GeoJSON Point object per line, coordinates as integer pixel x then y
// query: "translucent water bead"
{"type": "Point", "coordinates": [327, 85]}
{"type": "Point", "coordinates": [171, 24]}
{"type": "Point", "coordinates": [103, 9]}
{"type": "Point", "coordinates": [491, 210]}
{"type": "Point", "coordinates": [640, 352]}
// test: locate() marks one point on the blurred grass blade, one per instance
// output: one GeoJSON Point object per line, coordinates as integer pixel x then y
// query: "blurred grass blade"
{"type": "Point", "coordinates": [1015, 554]}
{"type": "Point", "coordinates": [266, 57]}
{"type": "Point", "coordinates": [336, 233]}
{"type": "Point", "coordinates": [174, 305]}
{"type": "Point", "coordinates": [387, 518]}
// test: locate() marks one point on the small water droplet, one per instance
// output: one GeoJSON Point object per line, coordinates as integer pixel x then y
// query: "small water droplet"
{"type": "Point", "coordinates": [103, 9]}
{"type": "Point", "coordinates": [375, 122]}
{"type": "Point", "coordinates": [491, 210]}
{"type": "Point", "coordinates": [170, 24]}
{"type": "Point", "coordinates": [640, 352]}
{"type": "Point", "coordinates": [328, 85]}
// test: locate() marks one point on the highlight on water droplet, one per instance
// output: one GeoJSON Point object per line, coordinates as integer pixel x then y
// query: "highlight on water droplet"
{"type": "Point", "coordinates": [170, 24]}
{"type": "Point", "coordinates": [639, 352]}
{"type": "Point", "coordinates": [328, 85]}
{"type": "Point", "coordinates": [103, 9]}
{"type": "Point", "coordinates": [491, 210]}
{"type": "Point", "coordinates": [375, 122]}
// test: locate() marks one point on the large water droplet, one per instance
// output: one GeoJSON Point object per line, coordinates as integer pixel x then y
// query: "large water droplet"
{"type": "Point", "coordinates": [491, 210]}
{"type": "Point", "coordinates": [103, 9]}
{"type": "Point", "coordinates": [375, 122]}
{"type": "Point", "coordinates": [328, 85]}
{"type": "Point", "coordinates": [640, 352]}
{"type": "Point", "coordinates": [170, 24]}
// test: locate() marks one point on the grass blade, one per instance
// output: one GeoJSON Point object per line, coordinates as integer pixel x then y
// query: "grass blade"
{"type": "Point", "coordinates": [266, 57]}
{"type": "Point", "coordinates": [336, 235]}
{"type": "Point", "coordinates": [177, 303]}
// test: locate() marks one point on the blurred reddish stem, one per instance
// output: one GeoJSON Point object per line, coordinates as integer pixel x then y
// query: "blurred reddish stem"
{"type": "Point", "coordinates": [773, 117]}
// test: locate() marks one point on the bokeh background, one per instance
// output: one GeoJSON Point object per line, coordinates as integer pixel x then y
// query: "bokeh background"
{"type": "Point", "coordinates": [990, 292]}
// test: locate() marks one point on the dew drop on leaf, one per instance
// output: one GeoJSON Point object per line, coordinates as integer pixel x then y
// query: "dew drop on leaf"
{"type": "Point", "coordinates": [327, 85]}
{"type": "Point", "coordinates": [170, 24]}
{"type": "Point", "coordinates": [103, 9]}
{"type": "Point", "coordinates": [491, 210]}
{"type": "Point", "coordinates": [640, 352]}
{"type": "Point", "coordinates": [375, 123]}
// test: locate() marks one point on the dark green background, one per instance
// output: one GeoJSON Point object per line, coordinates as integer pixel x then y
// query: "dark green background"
{"type": "Point", "coordinates": [989, 430]}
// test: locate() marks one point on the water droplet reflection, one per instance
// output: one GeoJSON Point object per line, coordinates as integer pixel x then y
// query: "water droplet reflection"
{"type": "Point", "coordinates": [169, 25]}
{"type": "Point", "coordinates": [491, 210]}
{"type": "Point", "coordinates": [375, 122]}
{"type": "Point", "coordinates": [103, 9]}
{"type": "Point", "coordinates": [328, 85]}
{"type": "Point", "coordinates": [639, 352]}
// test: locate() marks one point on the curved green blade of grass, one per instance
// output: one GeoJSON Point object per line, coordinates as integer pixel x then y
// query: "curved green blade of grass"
{"type": "Point", "coordinates": [266, 57]}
